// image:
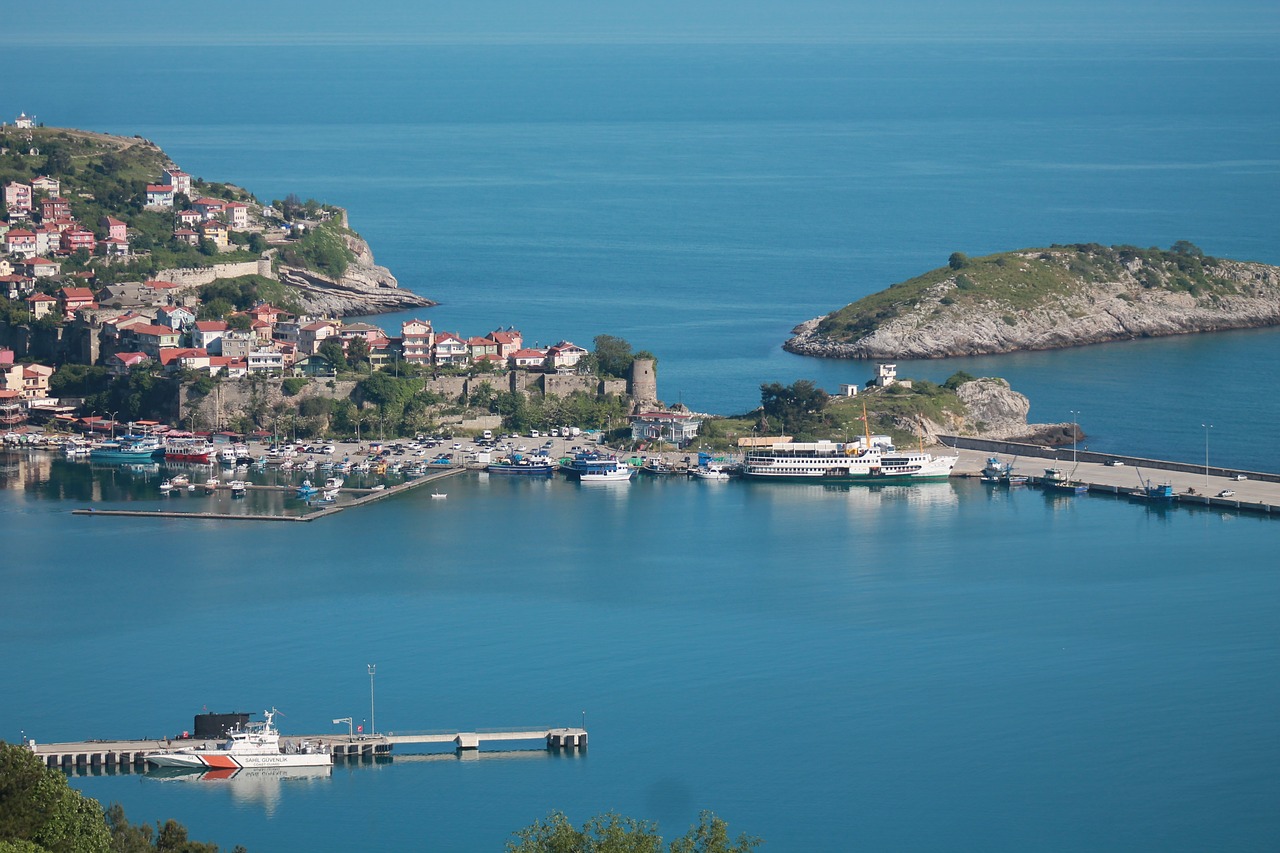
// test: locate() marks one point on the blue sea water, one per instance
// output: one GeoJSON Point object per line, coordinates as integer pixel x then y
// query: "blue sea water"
{"type": "Point", "coordinates": [926, 668]}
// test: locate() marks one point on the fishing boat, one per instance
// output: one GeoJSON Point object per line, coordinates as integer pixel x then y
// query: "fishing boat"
{"type": "Point", "coordinates": [211, 485]}
{"type": "Point", "coordinates": [712, 471]}
{"type": "Point", "coordinates": [76, 447]}
{"type": "Point", "coordinates": [227, 456]}
{"type": "Point", "coordinates": [306, 490]}
{"type": "Point", "coordinates": [994, 470]}
{"type": "Point", "coordinates": [333, 483]}
{"type": "Point", "coordinates": [1055, 480]}
{"type": "Point", "coordinates": [185, 447]}
{"type": "Point", "coordinates": [257, 744]}
{"type": "Point", "coordinates": [591, 467]}
{"type": "Point", "coordinates": [1008, 478]}
{"type": "Point", "coordinates": [1155, 492]}
{"type": "Point", "coordinates": [238, 488]}
{"type": "Point", "coordinates": [520, 465]}
{"type": "Point", "coordinates": [127, 448]}
{"type": "Point", "coordinates": [657, 467]}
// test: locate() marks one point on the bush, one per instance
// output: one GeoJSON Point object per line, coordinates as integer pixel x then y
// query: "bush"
{"type": "Point", "coordinates": [291, 386]}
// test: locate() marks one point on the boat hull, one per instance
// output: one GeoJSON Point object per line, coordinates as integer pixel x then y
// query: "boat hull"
{"type": "Point", "coordinates": [522, 470]}
{"type": "Point", "coordinates": [847, 478]}
{"type": "Point", "coordinates": [222, 760]}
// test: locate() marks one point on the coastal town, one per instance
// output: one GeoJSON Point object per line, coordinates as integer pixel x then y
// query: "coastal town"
{"type": "Point", "coordinates": [245, 307]}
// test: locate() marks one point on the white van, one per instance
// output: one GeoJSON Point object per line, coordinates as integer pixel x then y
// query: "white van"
{"type": "Point", "coordinates": [533, 433]}
{"type": "Point", "coordinates": [488, 435]}
{"type": "Point", "coordinates": [555, 432]}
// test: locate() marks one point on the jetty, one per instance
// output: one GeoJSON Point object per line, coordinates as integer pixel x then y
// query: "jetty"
{"type": "Point", "coordinates": [365, 496]}
{"type": "Point", "coordinates": [1119, 475]}
{"type": "Point", "coordinates": [124, 754]}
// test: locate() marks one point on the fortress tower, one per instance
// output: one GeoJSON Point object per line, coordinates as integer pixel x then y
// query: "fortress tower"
{"type": "Point", "coordinates": [642, 384]}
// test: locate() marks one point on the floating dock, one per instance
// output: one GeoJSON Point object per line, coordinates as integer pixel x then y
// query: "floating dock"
{"type": "Point", "coordinates": [366, 496]}
{"type": "Point", "coordinates": [120, 754]}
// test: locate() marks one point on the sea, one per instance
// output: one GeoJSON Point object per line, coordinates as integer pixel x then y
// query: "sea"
{"type": "Point", "coordinates": [930, 667]}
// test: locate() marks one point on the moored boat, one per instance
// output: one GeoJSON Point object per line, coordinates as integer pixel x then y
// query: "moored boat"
{"type": "Point", "coordinates": [872, 459]}
{"type": "Point", "coordinates": [590, 467]}
{"type": "Point", "coordinates": [519, 465]}
{"type": "Point", "coordinates": [127, 448]}
{"type": "Point", "coordinates": [185, 447]}
{"type": "Point", "coordinates": [1055, 480]}
{"type": "Point", "coordinates": [258, 744]}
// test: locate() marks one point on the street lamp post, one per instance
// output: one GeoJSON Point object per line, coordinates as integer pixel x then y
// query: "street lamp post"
{"type": "Point", "coordinates": [1207, 427]}
{"type": "Point", "coordinates": [373, 721]}
{"type": "Point", "coordinates": [113, 423]}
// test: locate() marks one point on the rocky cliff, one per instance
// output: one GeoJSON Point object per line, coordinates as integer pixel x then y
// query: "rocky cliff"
{"type": "Point", "coordinates": [364, 288]}
{"type": "Point", "coordinates": [1036, 299]}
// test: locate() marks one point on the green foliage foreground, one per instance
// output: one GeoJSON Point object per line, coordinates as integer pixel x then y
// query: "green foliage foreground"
{"type": "Point", "coordinates": [613, 833]}
{"type": "Point", "coordinates": [41, 813]}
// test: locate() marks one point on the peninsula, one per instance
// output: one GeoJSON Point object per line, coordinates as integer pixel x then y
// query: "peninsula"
{"type": "Point", "coordinates": [1036, 299]}
{"type": "Point", "coordinates": [83, 207]}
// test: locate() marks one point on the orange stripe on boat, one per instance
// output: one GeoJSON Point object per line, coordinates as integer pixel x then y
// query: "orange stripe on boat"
{"type": "Point", "coordinates": [222, 761]}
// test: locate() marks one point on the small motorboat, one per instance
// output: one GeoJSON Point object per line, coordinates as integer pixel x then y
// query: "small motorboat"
{"type": "Point", "coordinates": [438, 496]}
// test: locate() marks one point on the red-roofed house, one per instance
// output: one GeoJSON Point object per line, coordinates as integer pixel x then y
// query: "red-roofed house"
{"type": "Point", "coordinates": [35, 381]}
{"type": "Point", "coordinates": [528, 359]}
{"type": "Point", "coordinates": [48, 238]}
{"type": "Point", "coordinates": [17, 196]}
{"type": "Point", "coordinates": [151, 339]}
{"type": "Point", "coordinates": [159, 196]}
{"type": "Point", "coordinates": [116, 230]}
{"type": "Point", "coordinates": [312, 335]}
{"type": "Point", "coordinates": [40, 304]}
{"type": "Point", "coordinates": [55, 208]}
{"type": "Point", "coordinates": [237, 214]}
{"type": "Point", "coordinates": [16, 286]}
{"type": "Point", "coordinates": [179, 180]}
{"type": "Point", "coordinates": [508, 341]}
{"type": "Point", "coordinates": [72, 299]}
{"type": "Point", "coordinates": [122, 362]}
{"type": "Point", "coordinates": [189, 217]}
{"type": "Point", "coordinates": [184, 358]}
{"type": "Point", "coordinates": [20, 242]}
{"type": "Point", "coordinates": [40, 267]}
{"type": "Point", "coordinates": [187, 236]}
{"type": "Point", "coordinates": [268, 312]}
{"type": "Point", "coordinates": [175, 317]}
{"type": "Point", "coordinates": [564, 355]}
{"type": "Point", "coordinates": [74, 239]}
{"type": "Point", "coordinates": [481, 347]}
{"type": "Point", "coordinates": [47, 185]}
{"type": "Point", "coordinates": [113, 248]}
{"type": "Point", "coordinates": [208, 334]}
{"type": "Point", "coordinates": [209, 207]}
{"type": "Point", "coordinates": [416, 340]}
{"type": "Point", "coordinates": [450, 349]}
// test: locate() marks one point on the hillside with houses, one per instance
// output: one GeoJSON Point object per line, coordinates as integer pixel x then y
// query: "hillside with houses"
{"type": "Point", "coordinates": [130, 287]}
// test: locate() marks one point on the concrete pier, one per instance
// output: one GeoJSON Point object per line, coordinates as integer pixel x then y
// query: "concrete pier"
{"type": "Point", "coordinates": [1258, 492]}
{"type": "Point", "coordinates": [121, 754]}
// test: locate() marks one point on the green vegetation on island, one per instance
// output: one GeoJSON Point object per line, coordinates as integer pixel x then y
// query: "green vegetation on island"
{"type": "Point", "coordinates": [1063, 295]}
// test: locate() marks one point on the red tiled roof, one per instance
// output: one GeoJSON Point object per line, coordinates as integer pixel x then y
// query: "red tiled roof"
{"type": "Point", "coordinates": [211, 325]}
{"type": "Point", "coordinates": [76, 293]}
{"type": "Point", "coordinates": [159, 188]}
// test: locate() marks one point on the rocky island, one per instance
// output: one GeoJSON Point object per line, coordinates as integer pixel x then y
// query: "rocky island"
{"type": "Point", "coordinates": [1036, 299]}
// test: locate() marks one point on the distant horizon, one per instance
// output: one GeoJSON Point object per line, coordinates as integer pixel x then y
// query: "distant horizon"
{"type": "Point", "coordinates": [502, 22]}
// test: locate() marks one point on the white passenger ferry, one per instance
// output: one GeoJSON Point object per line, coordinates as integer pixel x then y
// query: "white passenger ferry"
{"type": "Point", "coordinates": [255, 745]}
{"type": "Point", "coordinates": [869, 459]}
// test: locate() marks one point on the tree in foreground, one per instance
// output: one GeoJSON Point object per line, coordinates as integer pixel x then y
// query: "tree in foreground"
{"type": "Point", "coordinates": [614, 833]}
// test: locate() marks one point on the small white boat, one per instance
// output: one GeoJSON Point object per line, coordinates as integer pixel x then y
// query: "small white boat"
{"type": "Point", "coordinates": [438, 496]}
{"type": "Point", "coordinates": [238, 488]}
{"type": "Point", "coordinates": [180, 480]}
{"type": "Point", "coordinates": [166, 486]}
{"type": "Point", "coordinates": [711, 471]}
{"type": "Point", "coordinates": [211, 485]}
{"type": "Point", "coordinates": [333, 483]}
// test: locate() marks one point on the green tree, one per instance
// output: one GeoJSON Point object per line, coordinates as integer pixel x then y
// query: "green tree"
{"type": "Point", "coordinates": [614, 833]}
{"type": "Point", "coordinates": [331, 350]}
{"type": "Point", "coordinates": [38, 806]}
{"type": "Point", "coordinates": [239, 322]}
{"type": "Point", "coordinates": [796, 407]}
{"type": "Point", "coordinates": [613, 355]}
{"type": "Point", "coordinates": [958, 260]}
{"type": "Point", "coordinates": [357, 351]}
{"type": "Point", "coordinates": [711, 835]}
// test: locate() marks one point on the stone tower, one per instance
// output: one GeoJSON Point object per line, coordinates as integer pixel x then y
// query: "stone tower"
{"type": "Point", "coordinates": [642, 384]}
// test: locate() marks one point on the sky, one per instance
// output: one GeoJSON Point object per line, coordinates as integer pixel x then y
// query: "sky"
{"type": "Point", "coordinates": [549, 21]}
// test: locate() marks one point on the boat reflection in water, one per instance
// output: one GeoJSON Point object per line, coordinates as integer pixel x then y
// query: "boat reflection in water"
{"type": "Point", "coordinates": [255, 785]}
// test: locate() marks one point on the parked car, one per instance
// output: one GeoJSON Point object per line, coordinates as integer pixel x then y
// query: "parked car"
{"type": "Point", "coordinates": [1240, 477]}
{"type": "Point", "coordinates": [1113, 463]}
{"type": "Point", "coordinates": [1227, 493]}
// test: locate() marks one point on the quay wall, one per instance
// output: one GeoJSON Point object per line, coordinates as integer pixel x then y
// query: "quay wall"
{"type": "Point", "coordinates": [1014, 448]}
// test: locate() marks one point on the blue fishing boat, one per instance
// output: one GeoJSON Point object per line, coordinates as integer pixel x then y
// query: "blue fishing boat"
{"type": "Point", "coordinates": [127, 448]}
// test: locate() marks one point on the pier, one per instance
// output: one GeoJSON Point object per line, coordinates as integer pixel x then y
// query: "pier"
{"type": "Point", "coordinates": [366, 496]}
{"type": "Point", "coordinates": [1258, 492]}
{"type": "Point", "coordinates": [124, 754]}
